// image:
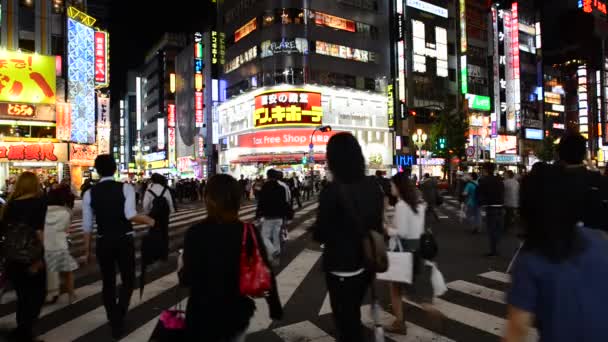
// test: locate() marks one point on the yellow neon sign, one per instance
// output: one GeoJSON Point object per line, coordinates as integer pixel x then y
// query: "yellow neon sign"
{"type": "Point", "coordinates": [81, 17]}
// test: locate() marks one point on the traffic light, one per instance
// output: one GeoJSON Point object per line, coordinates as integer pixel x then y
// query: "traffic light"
{"type": "Point", "coordinates": [325, 129]}
{"type": "Point", "coordinates": [304, 159]}
{"type": "Point", "coordinates": [442, 143]}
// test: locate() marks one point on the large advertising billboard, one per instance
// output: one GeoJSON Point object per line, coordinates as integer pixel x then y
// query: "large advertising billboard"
{"type": "Point", "coordinates": [81, 81]}
{"type": "Point", "coordinates": [27, 78]}
{"type": "Point", "coordinates": [288, 108]}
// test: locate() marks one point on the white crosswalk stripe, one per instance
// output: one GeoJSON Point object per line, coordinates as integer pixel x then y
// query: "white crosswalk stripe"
{"type": "Point", "coordinates": [297, 271]}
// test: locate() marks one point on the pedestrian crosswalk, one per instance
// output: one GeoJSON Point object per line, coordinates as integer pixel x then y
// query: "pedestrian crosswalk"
{"type": "Point", "coordinates": [473, 306]}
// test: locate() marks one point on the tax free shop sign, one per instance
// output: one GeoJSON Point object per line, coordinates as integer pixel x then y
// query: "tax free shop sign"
{"type": "Point", "coordinates": [284, 138]}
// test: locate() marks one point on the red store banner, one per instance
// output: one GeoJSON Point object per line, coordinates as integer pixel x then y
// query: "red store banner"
{"type": "Point", "coordinates": [42, 152]}
{"type": "Point", "coordinates": [284, 138]}
{"type": "Point", "coordinates": [101, 57]}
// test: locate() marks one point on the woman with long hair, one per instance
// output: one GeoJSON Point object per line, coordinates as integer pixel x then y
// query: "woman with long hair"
{"type": "Point", "coordinates": [560, 276]}
{"type": "Point", "coordinates": [216, 310]}
{"type": "Point", "coordinates": [350, 206]}
{"type": "Point", "coordinates": [56, 230]}
{"type": "Point", "coordinates": [26, 207]}
{"type": "Point", "coordinates": [405, 231]}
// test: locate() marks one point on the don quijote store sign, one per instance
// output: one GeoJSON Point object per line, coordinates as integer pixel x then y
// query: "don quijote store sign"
{"type": "Point", "coordinates": [284, 138]}
{"type": "Point", "coordinates": [33, 152]}
{"type": "Point", "coordinates": [288, 108]}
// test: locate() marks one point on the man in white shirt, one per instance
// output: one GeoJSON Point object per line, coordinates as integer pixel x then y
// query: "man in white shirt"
{"type": "Point", "coordinates": [158, 185]}
{"type": "Point", "coordinates": [511, 198]}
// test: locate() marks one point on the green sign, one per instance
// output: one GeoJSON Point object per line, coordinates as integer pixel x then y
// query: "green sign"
{"type": "Point", "coordinates": [479, 102]}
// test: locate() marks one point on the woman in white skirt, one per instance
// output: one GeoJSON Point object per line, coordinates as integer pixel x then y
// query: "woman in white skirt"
{"type": "Point", "coordinates": [56, 230]}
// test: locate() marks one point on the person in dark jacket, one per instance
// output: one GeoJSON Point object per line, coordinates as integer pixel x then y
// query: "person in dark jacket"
{"type": "Point", "coordinates": [26, 205]}
{"type": "Point", "coordinates": [491, 196]}
{"type": "Point", "coordinates": [272, 209]}
{"type": "Point", "coordinates": [349, 208]}
{"type": "Point", "coordinates": [430, 194]}
{"type": "Point", "coordinates": [216, 310]}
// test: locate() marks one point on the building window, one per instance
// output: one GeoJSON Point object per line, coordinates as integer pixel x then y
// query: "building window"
{"type": "Point", "coordinates": [452, 75]}
{"type": "Point", "coordinates": [27, 16]}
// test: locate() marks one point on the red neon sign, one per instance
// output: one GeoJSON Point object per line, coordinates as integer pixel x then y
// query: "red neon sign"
{"type": "Point", "coordinates": [38, 152]}
{"type": "Point", "coordinates": [515, 40]}
{"type": "Point", "coordinates": [589, 5]}
{"type": "Point", "coordinates": [198, 108]}
{"type": "Point", "coordinates": [101, 62]}
{"type": "Point", "coordinates": [171, 115]}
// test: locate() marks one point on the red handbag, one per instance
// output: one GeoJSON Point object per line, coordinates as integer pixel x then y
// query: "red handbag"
{"type": "Point", "coordinates": [255, 279]}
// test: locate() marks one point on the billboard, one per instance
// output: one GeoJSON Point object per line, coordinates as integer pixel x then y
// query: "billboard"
{"type": "Point", "coordinates": [42, 152]}
{"type": "Point", "coordinates": [27, 78]}
{"type": "Point", "coordinates": [83, 154]}
{"type": "Point", "coordinates": [64, 125]}
{"type": "Point", "coordinates": [506, 144]}
{"type": "Point", "coordinates": [81, 81]}
{"type": "Point", "coordinates": [101, 59]}
{"type": "Point", "coordinates": [283, 138]}
{"type": "Point", "coordinates": [288, 108]}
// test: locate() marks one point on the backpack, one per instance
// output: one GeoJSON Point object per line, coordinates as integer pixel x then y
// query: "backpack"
{"type": "Point", "coordinates": [20, 244]}
{"type": "Point", "coordinates": [160, 206]}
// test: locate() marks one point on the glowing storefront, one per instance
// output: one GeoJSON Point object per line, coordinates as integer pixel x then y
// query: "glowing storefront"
{"type": "Point", "coordinates": [272, 127]}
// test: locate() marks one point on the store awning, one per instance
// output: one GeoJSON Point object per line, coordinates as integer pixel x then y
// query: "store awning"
{"type": "Point", "coordinates": [294, 158]}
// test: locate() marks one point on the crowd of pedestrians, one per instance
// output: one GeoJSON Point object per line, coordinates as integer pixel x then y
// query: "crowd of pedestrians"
{"type": "Point", "coordinates": [559, 276]}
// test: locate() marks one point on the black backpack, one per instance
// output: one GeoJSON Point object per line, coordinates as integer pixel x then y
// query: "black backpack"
{"type": "Point", "coordinates": [20, 244]}
{"type": "Point", "coordinates": [160, 206]}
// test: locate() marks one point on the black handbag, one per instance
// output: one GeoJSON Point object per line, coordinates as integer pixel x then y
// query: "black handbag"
{"type": "Point", "coordinates": [428, 248]}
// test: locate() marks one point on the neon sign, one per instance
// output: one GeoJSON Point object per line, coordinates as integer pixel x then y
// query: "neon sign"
{"type": "Point", "coordinates": [589, 5]}
{"type": "Point", "coordinates": [288, 108]}
{"type": "Point", "coordinates": [101, 58]}
{"type": "Point", "coordinates": [198, 108]}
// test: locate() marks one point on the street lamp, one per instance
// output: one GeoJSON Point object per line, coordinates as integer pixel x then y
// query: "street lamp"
{"type": "Point", "coordinates": [419, 140]}
{"type": "Point", "coordinates": [323, 129]}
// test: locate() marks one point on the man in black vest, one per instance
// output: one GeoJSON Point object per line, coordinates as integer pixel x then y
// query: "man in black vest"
{"type": "Point", "coordinates": [113, 205]}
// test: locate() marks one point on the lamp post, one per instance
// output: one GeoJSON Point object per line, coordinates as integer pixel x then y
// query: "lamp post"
{"type": "Point", "coordinates": [419, 139]}
{"type": "Point", "coordinates": [323, 129]}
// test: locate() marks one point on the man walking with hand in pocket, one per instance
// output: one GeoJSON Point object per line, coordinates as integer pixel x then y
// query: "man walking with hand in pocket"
{"type": "Point", "coordinates": [113, 205]}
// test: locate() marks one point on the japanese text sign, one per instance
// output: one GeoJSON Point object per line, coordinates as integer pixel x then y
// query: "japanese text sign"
{"type": "Point", "coordinates": [64, 121]}
{"type": "Point", "coordinates": [284, 138]}
{"type": "Point", "coordinates": [101, 58]}
{"type": "Point", "coordinates": [198, 108]}
{"type": "Point", "coordinates": [288, 108]}
{"type": "Point", "coordinates": [17, 110]}
{"type": "Point", "coordinates": [27, 78]}
{"type": "Point", "coordinates": [83, 154]}
{"type": "Point", "coordinates": [103, 111]}
{"type": "Point", "coordinates": [43, 152]}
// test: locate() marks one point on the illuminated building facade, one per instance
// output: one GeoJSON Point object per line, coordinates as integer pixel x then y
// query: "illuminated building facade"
{"type": "Point", "coordinates": [290, 69]}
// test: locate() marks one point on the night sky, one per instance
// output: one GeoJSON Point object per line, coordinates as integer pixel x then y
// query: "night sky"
{"type": "Point", "coordinates": [133, 32]}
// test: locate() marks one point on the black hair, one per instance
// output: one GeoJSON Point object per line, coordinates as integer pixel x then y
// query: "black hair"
{"type": "Point", "coordinates": [550, 224]}
{"type": "Point", "coordinates": [157, 178]}
{"type": "Point", "coordinates": [105, 165]}
{"type": "Point", "coordinates": [56, 197]}
{"type": "Point", "coordinates": [345, 158]}
{"type": "Point", "coordinates": [474, 176]}
{"type": "Point", "coordinates": [489, 167]}
{"type": "Point", "coordinates": [407, 190]}
{"type": "Point", "coordinates": [223, 199]}
{"type": "Point", "coordinates": [572, 148]}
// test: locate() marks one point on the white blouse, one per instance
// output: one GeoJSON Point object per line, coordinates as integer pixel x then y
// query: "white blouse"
{"type": "Point", "coordinates": [406, 223]}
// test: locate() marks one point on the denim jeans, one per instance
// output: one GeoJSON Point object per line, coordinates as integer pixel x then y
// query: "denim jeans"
{"type": "Point", "coordinates": [271, 233]}
{"type": "Point", "coordinates": [495, 221]}
{"type": "Point", "coordinates": [474, 216]}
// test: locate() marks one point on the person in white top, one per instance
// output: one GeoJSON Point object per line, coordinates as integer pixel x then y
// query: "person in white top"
{"type": "Point", "coordinates": [405, 232]}
{"type": "Point", "coordinates": [511, 198]}
{"type": "Point", "coordinates": [159, 183]}
{"type": "Point", "coordinates": [57, 254]}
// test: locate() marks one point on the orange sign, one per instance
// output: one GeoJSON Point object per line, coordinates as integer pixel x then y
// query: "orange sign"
{"type": "Point", "coordinates": [16, 109]}
{"type": "Point", "coordinates": [288, 108]}
{"type": "Point", "coordinates": [245, 30]}
{"type": "Point", "coordinates": [323, 19]}
{"type": "Point", "coordinates": [27, 78]}
{"type": "Point", "coordinates": [64, 124]}
{"type": "Point", "coordinates": [83, 154]}
{"type": "Point", "coordinates": [43, 152]}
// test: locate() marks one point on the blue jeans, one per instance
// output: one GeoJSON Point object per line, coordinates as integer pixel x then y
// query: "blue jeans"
{"type": "Point", "coordinates": [474, 216]}
{"type": "Point", "coordinates": [495, 224]}
{"type": "Point", "coordinates": [271, 233]}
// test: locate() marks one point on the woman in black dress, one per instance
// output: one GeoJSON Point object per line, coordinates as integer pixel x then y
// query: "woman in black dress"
{"type": "Point", "coordinates": [27, 206]}
{"type": "Point", "coordinates": [211, 263]}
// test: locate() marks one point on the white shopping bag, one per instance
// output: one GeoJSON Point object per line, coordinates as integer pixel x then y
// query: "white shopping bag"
{"type": "Point", "coordinates": [438, 282]}
{"type": "Point", "coordinates": [400, 267]}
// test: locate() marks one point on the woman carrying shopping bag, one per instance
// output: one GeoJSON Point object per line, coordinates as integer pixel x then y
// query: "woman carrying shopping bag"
{"type": "Point", "coordinates": [405, 232]}
{"type": "Point", "coordinates": [220, 304]}
{"type": "Point", "coordinates": [56, 230]}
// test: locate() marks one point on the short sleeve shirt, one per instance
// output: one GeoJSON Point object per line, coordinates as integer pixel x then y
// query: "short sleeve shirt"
{"type": "Point", "coordinates": [568, 299]}
{"type": "Point", "coordinates": [471, 190]}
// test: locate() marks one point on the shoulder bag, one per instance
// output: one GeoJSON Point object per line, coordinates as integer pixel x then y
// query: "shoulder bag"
{"type": "Point", "coordinates": [428, 248]}
{"type": "Point", "coordinates": [255, 278]}
{"type": "Point", "coordinates": [374, 249]}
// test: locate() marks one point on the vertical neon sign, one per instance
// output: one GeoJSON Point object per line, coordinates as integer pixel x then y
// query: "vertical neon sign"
{"type": "Point", "coordinates": [516, 70]}
{"type": "Point", "coordinates": [198, 77]}
{"type": "Point", "coordinates": [464, 82]}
